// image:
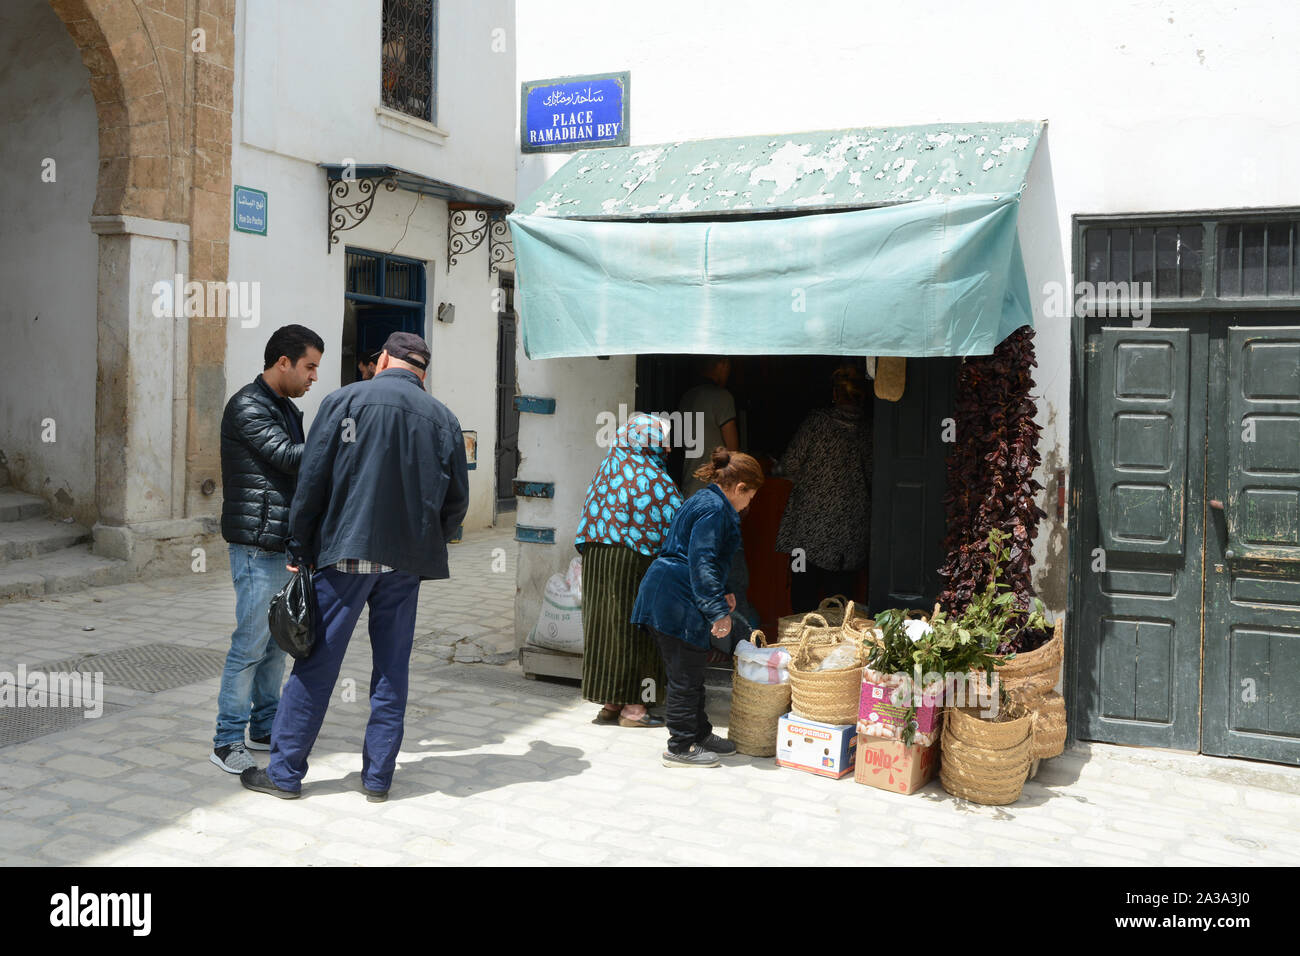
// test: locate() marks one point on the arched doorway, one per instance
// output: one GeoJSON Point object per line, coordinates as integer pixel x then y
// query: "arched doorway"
{"type": "Point", "coordinates": [137, 193]}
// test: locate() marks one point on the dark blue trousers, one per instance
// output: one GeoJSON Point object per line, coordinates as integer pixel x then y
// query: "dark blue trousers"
{"type": "Point", "coordinates": [339, 599]}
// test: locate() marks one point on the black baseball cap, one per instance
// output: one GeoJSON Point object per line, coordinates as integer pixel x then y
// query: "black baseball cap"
{"type": "Point", "coordinates": [408, 347]}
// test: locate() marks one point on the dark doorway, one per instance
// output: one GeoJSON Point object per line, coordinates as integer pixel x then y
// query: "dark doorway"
{"type": "Point", "coordinates": [774, 394]}
{"type": "Point", "coordinates": [507, 450]}
{"type": "Point", "coordinates": [384, 294]}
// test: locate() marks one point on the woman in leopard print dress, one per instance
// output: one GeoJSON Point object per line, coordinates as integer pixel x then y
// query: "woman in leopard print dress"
{"type": "Point", "coordinates": [829, 512]}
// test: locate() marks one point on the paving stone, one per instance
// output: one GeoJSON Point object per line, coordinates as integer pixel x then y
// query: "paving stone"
{"type": "Point", "coordinates": [506, 771]}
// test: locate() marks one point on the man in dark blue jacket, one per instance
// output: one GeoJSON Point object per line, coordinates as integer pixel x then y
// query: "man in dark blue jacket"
{"type": "Point", "coordinates": [382, 486]}
{"type": "Point", "coordinates": [261, 446]}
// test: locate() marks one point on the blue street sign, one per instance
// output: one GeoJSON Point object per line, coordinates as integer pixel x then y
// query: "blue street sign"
{"type": "Point", "coordinates": [574, 112]}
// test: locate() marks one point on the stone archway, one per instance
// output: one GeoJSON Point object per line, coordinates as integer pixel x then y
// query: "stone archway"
{"type": "Point", "coordinates": [163, 95]}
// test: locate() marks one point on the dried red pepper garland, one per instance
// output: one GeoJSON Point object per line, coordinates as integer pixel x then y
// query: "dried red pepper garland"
{"type": "Point", "coordinates": [991, 478]}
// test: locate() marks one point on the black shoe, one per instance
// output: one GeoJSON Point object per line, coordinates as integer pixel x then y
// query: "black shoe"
{"type": "Point", "coordinates": [697, 756]}
{"type": "Point", "coordinates": [259, 743]}
{"type": "Point", "coordinates": [255, 778]}
{"type": "Point", "coordinates": [715, 744]}
{"type": "Point", "coordinates": [375, 796]}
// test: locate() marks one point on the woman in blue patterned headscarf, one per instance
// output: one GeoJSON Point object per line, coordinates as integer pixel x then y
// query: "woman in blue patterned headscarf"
{"type": "Point", "coordinates": [629, 506]}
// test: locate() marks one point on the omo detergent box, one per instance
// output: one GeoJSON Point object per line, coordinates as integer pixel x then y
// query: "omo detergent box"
{"type": "Point", "coordinates": [890, 765]}
{"type": "Point", "coordinates": [824, 749]}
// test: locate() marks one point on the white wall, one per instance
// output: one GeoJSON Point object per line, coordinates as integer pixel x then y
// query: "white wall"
{"type": "Point", "coordinates": [1152, 106]}
{"type": "Point", "coordinates": [306, 87]}
{"type": "Point", "coordinates": [48, 259]}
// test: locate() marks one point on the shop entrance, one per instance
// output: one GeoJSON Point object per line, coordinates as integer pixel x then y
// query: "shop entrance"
{"type": "Point", "coordinates": [774, 394]}
{"type": "Point", "coordinates": [1189, 625]}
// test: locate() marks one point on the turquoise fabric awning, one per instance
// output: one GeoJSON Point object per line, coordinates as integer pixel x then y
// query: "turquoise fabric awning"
{"type": "Point", "coordinates": [934, 275]}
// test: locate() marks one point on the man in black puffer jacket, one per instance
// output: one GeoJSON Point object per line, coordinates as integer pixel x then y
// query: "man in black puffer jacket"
{"type": "Point", "coordinates": [261, 448]}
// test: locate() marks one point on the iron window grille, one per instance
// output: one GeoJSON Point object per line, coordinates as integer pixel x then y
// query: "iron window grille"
{"type": "Point", "coordinates": [1194, 260]}
{"type": "Point", "coordinates": [380, 279]}
{"type": "Point", "coordinates": [408, 57]}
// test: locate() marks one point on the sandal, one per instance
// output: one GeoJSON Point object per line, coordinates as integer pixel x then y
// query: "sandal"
{"type": "Point", "coordinates": [645, 720]}
{"type": "Point", "coordinates": [607, 716]}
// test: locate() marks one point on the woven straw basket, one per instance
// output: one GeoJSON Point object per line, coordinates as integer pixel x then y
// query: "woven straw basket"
{"type": "Point", "coordinates": [830, 697]}
{"type": "Point", "coordinates": [831, 611]}
{"type": "Point", "coordinates": [982, 761]}
{"type": "Point", "coordinates": [1042, 661]}
{"type": "Point", "coordinates": [755, 710]}
{"type": "Point", "coordinates": [1049, 727]}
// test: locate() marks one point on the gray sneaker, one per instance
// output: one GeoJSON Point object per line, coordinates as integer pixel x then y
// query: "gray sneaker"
{"type": "Point", "coordinates": [695, 757]}
{"type": "Point", "coordinates": [233, 758]}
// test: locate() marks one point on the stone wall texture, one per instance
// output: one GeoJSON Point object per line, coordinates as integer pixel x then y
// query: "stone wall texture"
{"type": "Point", "coordinates": [162, 75]}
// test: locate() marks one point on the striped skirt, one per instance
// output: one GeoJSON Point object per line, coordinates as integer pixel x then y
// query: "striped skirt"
{"type": "Point", "coordinates": [620, 664]}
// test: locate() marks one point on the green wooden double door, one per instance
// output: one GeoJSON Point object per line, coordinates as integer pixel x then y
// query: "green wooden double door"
{"type": "Point", "coordinates": [1187, 502]}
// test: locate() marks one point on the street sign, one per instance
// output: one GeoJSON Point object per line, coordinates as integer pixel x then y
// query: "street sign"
{"type": "Point", "coordinates": [250, 210]}
{"type": "Point", "coordinates": [574, 112]}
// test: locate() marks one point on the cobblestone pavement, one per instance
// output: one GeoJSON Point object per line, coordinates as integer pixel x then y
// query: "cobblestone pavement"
{"type": "Point", "coordinates": [496, 769]}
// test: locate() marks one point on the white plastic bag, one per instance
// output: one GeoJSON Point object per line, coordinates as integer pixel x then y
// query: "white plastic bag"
{"type": "Point", "coordinates": [573, 578]}
{"type": "Point", "coordinates": [559, 626]}
{"type": "Point", "coordinates": [762, 665]}
{"type": "Point", "coordinates": [844, 655]}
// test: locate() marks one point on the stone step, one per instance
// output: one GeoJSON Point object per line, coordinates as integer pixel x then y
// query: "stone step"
{"type": "Point", "coordinates": [16, 505]}
{"type": "Point", "coordinates": [35, 536]}
{"type": "Point", "coordinates": [68, 570]}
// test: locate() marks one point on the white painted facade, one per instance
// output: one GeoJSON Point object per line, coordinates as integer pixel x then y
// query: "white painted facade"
{"type": "Point", "coordinates": [307, 91]}
{"type": "Point", "coordinates": [1151, 107]}
{"type": "Point", "coordinates": [49, 261]}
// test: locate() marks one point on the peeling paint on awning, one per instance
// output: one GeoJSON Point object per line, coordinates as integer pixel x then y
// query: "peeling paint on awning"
{"type": "Point", "coordinates": [797, 172]}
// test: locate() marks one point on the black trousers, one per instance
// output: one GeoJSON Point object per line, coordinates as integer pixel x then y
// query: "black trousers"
{"type": "Point", "coordinates": [684, 713]}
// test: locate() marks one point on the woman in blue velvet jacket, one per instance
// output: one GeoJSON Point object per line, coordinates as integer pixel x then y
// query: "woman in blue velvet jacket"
{"type": "Point", "coordinates": [683, 599]}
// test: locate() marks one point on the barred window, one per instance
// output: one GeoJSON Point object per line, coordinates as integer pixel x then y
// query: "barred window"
{"type": "Point", "coordinates": [1166, 257]}
{"type": "Point", "coordinates": [408, 57]}
{"type": "Point", "coordinates": [1258, 259]}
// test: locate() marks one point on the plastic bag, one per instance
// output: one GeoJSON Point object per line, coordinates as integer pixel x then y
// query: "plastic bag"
{"type": "Point", "coordinates": [559, 625]}
{"type": "Point", "coordinates": [844, 655]}
{"type": "Point", "coordinates": [916, 630]}
{"type": "Point", "coordinates": [292, 615]}
{"type": "Point", "coordinates": [573, 579]}
{"type": "Point", "coordinates": [762, 665]}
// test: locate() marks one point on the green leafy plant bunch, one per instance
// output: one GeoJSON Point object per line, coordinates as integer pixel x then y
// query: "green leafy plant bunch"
{"type": "Point", "coordinates": [974, 640]}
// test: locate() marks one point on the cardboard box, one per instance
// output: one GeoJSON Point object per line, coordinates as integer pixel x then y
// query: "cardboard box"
{"type": "Point", "coordinates": [889, 765]}
{"type": "Point", "coordinates": [879, 718]}
{"type": "Point", "coordinates": [827, 750]}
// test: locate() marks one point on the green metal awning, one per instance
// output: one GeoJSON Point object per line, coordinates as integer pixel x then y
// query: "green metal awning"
{"type": "Point", "coordinates": [897, 241]}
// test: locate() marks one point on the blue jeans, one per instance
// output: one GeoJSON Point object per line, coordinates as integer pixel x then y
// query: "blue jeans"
{"type": "Point", "coordinates": [250, 683]}
{"type": "Point", "coordinates": [392, 597]}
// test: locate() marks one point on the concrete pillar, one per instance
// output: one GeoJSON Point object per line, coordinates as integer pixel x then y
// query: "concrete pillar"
{"type": "Point", "coordinates": [142, 395]}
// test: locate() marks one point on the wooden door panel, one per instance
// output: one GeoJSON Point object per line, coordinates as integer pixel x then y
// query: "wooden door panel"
{"type": "Point", "coordinates": [908, 486]}
{"type": "Point", "coordinates": [1252, 631]}
{"type": "Point", "coordinates": [1138, 629]}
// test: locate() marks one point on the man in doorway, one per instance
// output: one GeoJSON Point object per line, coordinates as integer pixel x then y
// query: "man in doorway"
{"type": "Point", "coordinates": [383, 486]}
{"type": "Point", "coordinates": [261, 448]}
{"type": "Point", "coordinates": [366, 366]}
{"type": "Point", "coordinates": [713, 418]}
